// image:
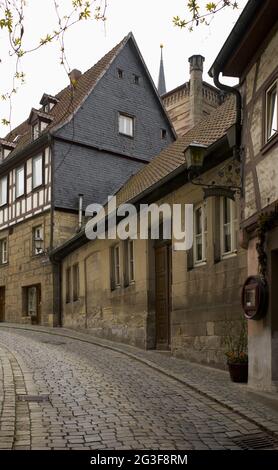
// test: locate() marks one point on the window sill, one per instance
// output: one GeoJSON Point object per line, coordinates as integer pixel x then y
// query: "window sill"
{"type": "Point", "coordinates": [200, 263]}
{"type": "Point", "coordinates": [127, 135]}
{"type": "Point", "coordinates": [3, 265]}
{"type": "Point", "coordinates": [232, 254]}
{"type": "Point", "coordinates": [37, 188]}
{"type": "Point", "coordinates": [268, 145]}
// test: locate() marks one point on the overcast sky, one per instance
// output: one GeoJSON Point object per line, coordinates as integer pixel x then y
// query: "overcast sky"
{"type": "Point", "coordinates": [149, 20]}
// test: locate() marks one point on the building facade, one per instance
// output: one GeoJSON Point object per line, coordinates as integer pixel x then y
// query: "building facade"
{"type": "Point", "coordinates": [79, 147]}
{"type": "Point", "coordinates": [145, 292]}
{"type": "Point", "coordinates": [254, 61]}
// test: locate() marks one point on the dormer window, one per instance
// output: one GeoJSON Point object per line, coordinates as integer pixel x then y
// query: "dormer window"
{"type": "Point", "coordinates": [6, 148]}
{"type": "Point", "coordinates": [39, 122]}
{"type": "Point", "coordinates": [36, 130]}
{"type": "Point", "coordinates": [48, 102]}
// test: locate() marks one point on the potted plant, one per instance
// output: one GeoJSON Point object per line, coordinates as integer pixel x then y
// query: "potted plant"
{"type": "Point", "coordinates": [236, 351]}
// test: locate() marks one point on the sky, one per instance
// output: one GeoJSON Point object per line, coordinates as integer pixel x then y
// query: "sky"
{"type": "Point", "coordinates": [149, 20]}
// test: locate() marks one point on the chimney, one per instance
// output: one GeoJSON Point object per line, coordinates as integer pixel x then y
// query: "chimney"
{"type": "Point", "coordinates": [74, 75]}
{"type": "Point", "coordinates": [196, 89]}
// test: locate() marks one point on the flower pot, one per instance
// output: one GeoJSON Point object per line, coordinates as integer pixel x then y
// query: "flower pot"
{"type": "Point", "coordinates": [239, 372]}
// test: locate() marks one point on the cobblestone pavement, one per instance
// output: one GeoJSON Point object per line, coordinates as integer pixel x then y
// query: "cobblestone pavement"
{"type": "Point", "coordinates": [93, 397]}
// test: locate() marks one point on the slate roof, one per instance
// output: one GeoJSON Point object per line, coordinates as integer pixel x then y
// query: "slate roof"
{"type": "Point", "coordinates": [206, 132]}
{"type": "Point", "coordinates": [69, 99]}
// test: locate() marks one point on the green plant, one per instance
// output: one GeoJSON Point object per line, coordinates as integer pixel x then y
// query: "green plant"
{"type": "Point", "coordinates": [236, 341]}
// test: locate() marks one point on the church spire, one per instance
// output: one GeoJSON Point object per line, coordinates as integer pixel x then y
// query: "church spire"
{"type": "Point", "coordinates": [161, 79]}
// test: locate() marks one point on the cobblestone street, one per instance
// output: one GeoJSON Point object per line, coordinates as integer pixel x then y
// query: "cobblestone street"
{"type": "Point", "coordinates": [92, 397]}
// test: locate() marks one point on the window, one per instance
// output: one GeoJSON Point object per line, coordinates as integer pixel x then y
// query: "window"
{"type": "Point", "coordinates": [115, 267]}
{"type": "Point", "coordinates": [20, 181]}
{"type": "Point", "coordinates": [68, 285]}
{"type": "Point", "coordinates": [126, 125]}
{"type": "Point", "coordinates": [75, 279]}
{"type": "Point", "coordinates": [5, 152]}
{"type": "Point", "coordinates": [200, 234]}
{"type": "Point", "coordinates": [271, 111]}
{"type": "Point", "coordinates": [3, 191]}
{"type": "Point", "coordinates": [38, 240]}
{"type": "Point", "coordinates": [129, 274]}
{"type": "Point", "coordinates": [163, 133]}
{"type": "Point", "coordinates": [3, 251]}
{"type": "Point", "coordinates": [228, 220]}
{"type": "Point", "coordinates": [136, 79]}
{"type": "Point", "coordinates": [120, 73]}
{"type": "Point", "coordinates": [36, 130]}
{"type": "Point", "coordinates": [37, 171]}
{"type": "Point", "coordinates": [38, 127]}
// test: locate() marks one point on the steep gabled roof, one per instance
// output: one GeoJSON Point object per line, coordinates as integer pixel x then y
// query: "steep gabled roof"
{"type": "Point", "coordinates": [71, 98]}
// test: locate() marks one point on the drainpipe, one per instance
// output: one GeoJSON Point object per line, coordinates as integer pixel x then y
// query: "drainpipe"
{"type": "Point", "coordinates": [80, 211]}
{"type": "Point", "coordinates": [228, 89]}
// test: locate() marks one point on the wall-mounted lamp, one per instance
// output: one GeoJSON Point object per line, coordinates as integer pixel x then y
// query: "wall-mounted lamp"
{"type": "Point", "coordinates": [194, 156]}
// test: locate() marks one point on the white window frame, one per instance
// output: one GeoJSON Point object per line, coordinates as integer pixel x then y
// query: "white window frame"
{"type": "Point", "coordinates": [126, 124]}
{"type": "Point", "coordinates": [4, 251]}
{"type": "Point", "coordinates": [17, 192]}
{"type": "Point", "coordinates": [3, 191]}
{"type": "Point", "coordinates": [274, 131]}
{"type": "Point", "coordinates": [36, 130]}
{"type": "Point", "coordinates": [131, 264]}
{"type": "Point", "coordinates": [233, 227]}
{"type": "Point", "coordinates": [36, 182]}
{"type": "Point", "coordinates": [38, 237]}
{"type": "Point", "coordinates": [202, 234]}
{"type": "Point", "coordinates": [116, 268]}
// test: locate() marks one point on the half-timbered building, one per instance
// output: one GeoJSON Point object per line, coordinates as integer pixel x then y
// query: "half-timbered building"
{"type": "Point", "coordinates": [77, 148]}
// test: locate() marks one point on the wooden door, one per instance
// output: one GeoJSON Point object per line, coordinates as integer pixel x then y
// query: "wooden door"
{"type": "Point", "coordinates": [163, 295]}
{"type": "Point", "coordinates": [34, 304]}
{"type": "Point", "coordinates": [2, 303]}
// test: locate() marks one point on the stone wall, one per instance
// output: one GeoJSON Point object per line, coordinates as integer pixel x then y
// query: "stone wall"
{"type": "Point", "coordinates": [203, 298]}
{"type": "Point", "coordinates": [177, 104]}
{"type": "Point", "coordinates": [24, 269]}
{"type": "Point", "coordinates": [119, 314]}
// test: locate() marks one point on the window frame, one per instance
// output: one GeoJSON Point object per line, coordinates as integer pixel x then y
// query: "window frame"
{"type": "Point", "coordinates": [136, 79]}
{"type": "Point", "coordinates": [128, 116]}
{"type": "Point", "coordinates": [42, 171]}
{"type": "Point", "coordinates": [115, 267]}
{"type": "Point", "coordinates": [75, 282]}
{"type": "Point", "coordinates": [131, 262]}
{"type": "Point", "coordinates": [4, 260]}
{"type": "Point", "coordinates": [274, 85]}
{"type": "Point", "coordinates": [203, 234]}
{"type": "Point", "coordinates": [233, 227]}
{"type": "Point", "coordinates": [17, 196]}
{"type": "Point", "coordinates": [2, 204]}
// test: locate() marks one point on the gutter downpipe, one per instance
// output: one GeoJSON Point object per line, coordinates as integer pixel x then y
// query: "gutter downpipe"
{"type": "Point", "coordinates": [215, 75]}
